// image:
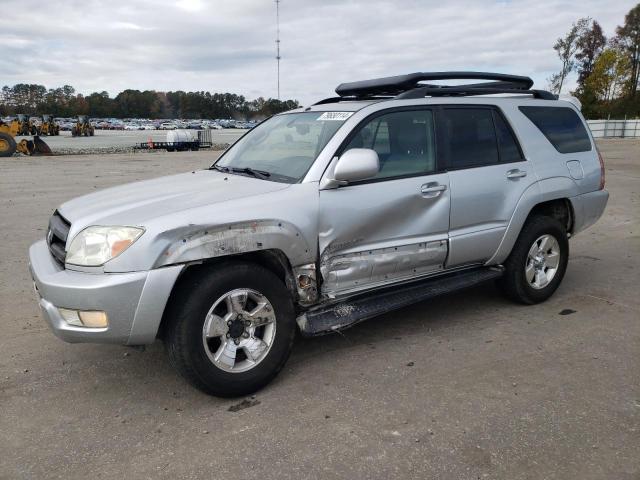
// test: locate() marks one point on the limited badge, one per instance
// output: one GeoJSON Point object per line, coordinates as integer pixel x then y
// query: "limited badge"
{"type": "Point", "coordinates": [339, 116]}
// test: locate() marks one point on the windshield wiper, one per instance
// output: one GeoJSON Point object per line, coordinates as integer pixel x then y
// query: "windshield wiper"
{"type": "Point", "coordinates": [220, 168]}
{"type": "Point", "coordinates": [261, 174]}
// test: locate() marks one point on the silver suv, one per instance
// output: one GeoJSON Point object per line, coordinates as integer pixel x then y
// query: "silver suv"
{"type": "Point", "coordinates": [392, 192]}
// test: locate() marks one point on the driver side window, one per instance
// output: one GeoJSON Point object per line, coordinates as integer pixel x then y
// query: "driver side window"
{"type": "Point", "coordinates": [404, 142]}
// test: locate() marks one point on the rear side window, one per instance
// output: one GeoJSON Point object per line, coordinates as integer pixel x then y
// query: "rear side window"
{"type": "Point", "coordinates": [562, 127]}
{"type": "Point", "coordinates": [469, 137]}
{"type": "Point", "coordinates": [509, 149]}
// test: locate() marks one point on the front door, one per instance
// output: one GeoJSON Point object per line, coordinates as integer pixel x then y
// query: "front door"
{"type": "Point", "coordinates": [392, 227]}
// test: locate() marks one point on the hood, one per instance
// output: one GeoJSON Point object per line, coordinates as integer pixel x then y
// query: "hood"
{"type": "Point", "coordinates": [134, 204]}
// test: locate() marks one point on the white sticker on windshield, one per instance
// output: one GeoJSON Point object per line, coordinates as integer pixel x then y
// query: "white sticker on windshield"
{"type": "Point", "coordinates": [340, 116]}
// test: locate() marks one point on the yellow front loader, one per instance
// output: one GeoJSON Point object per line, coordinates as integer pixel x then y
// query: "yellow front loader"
{"type": "Point", "coordinates": [48, 126]}
{"type": "Point", "coordinates": [82, 128]}
{"type": "Point", "coordinates": [8, 144]}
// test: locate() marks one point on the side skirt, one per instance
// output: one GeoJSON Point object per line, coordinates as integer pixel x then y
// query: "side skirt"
{"type": "Point", "coordinates": [338, 316]}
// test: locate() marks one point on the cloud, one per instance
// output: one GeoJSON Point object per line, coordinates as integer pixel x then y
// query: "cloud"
{"type": "Point", "coordinates": [230, 46]}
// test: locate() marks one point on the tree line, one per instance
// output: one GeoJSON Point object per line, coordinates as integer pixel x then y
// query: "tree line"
{"type": "Point", "coordinates": [64, 101]}
{"type": "Point", "coordinates": [608, 69]}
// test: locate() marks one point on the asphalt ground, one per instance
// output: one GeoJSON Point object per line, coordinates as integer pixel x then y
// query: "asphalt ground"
{"type": "Point", "coordinates": [462, 387]}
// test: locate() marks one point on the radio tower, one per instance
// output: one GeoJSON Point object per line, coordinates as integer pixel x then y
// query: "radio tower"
{"type": "Point", "coordinates": [278, 42]}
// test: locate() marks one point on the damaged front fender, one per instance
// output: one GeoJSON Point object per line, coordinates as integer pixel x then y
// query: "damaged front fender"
{"type": "Point", "coordinates": [199, 242]}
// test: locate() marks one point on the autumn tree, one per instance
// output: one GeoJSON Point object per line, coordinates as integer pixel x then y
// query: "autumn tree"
{"type": "Point", "coordinates": [609, 75]}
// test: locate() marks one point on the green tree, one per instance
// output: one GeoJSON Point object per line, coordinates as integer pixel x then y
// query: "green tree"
{"type": "Point", "coordinates": [628, 37]}
{"type": "Point", "coordinates": [100, 105]}
{"type": "Point", "coordinates": [566, 48]}
{"type": "Point", "coordinates": [591, 43]}
{"type": "Point", "coordinates": [65, 102]}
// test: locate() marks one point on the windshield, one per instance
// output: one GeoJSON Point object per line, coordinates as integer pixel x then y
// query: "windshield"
{"type": "Point", "coordinates": [284, 147]}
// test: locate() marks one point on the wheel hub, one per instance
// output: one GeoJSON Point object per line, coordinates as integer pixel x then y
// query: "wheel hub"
{"type": "Point", "coordinates": [236, 327]}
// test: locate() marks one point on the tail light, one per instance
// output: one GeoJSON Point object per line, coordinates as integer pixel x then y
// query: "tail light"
{"type": "Point", "coordinates": [601, 169]}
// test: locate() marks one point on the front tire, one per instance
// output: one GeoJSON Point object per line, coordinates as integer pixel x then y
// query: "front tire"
{"type": "Point", "coordinates": [8, 145]}
{"type": "Point", "coordinates": [538, 261]}
{"type": "Point", "coordinates": [231, 328]}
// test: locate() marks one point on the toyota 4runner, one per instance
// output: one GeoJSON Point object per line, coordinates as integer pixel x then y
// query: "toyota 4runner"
{"type": "Point", "coordinates": [392, 192]}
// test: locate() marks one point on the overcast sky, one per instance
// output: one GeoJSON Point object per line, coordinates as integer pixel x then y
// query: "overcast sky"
{"type": "Point", "coordinates": [229, 45]}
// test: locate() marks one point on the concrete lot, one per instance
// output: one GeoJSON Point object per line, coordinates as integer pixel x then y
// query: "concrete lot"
{"type": "Point", "coordinates": [464, 387]}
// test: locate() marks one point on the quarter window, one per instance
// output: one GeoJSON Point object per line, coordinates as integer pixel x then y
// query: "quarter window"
{"type": "Point", "coordinates": [562, 127]}
{"type": "Point", "coordinates": [509, 149]}
{"type": "Point", "coordinates": [469, 137]}
{"type": "Point", "coordinates": [404, 142]}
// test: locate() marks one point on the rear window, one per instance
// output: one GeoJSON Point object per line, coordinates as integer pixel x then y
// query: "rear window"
{"type": "Point", "coordinates": [562, 127]}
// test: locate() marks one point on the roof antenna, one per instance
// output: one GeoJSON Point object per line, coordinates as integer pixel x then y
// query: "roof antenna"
{"type": "Point", "coordinates": [278, 42]}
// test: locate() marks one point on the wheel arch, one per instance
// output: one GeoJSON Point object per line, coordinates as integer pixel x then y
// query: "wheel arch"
{"type": "Point", "coordinates": [273, 260]}
{"type": "Point", "coordinates": [550, 197]}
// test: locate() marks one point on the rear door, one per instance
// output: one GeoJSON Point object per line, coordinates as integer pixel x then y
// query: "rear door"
{"type": "Point", "coordinates": [487, 174]}
{"type": "Point", "coordinates": [394, 226]}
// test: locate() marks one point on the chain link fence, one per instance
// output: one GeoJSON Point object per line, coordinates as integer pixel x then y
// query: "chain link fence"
{"type": "Point", "coordinates": [615, 128]}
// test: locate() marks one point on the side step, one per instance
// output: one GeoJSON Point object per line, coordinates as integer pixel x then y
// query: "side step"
{"type": "Point", "coordinates": [337, 316]}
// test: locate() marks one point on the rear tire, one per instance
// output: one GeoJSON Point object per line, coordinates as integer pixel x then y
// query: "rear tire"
{"type": "Point", "coordinates": [223, 352]}
{"type": "Point", "coordinates": [538, 261]}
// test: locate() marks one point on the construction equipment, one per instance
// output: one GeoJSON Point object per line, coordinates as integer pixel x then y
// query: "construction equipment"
{"type": "Point", "coordinates": [8, 144]}
{"type": "Point", "coordinates": [25, 125]}
{"type": "Point", "coordinates": [48, 126]}
{"type": "Point", "coordinates": [82, 128]}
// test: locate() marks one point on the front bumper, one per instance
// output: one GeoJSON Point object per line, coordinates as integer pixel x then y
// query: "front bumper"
{"type": "Point", "coordinates": [134, 301]}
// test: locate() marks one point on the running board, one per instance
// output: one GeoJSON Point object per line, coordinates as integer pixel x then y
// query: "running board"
{"type": "Point", "coordinates": [337, 316]}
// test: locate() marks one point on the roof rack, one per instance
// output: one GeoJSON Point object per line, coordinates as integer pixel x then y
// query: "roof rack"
{"type": "Point", "coordinates": [409, 86]}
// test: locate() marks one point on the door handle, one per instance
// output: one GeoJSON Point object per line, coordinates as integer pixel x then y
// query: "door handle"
{"type": "Point", "coordinates": [432, 189]}
{"type": "Point", "coordinates": [516, 173]}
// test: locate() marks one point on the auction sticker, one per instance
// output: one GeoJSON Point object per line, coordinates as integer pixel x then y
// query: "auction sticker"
{"type": "Point", "coordinates": [340, 116]}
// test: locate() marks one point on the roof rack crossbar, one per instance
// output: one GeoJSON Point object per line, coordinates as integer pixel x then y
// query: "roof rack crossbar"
{"type": "Point", "coordinates": [402, 83]}
{"type": "Point", "coordinates": [466, 90]}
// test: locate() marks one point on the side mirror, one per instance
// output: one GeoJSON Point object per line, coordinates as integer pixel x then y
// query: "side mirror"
{"type": "Point", "coordinates": [357, 164]}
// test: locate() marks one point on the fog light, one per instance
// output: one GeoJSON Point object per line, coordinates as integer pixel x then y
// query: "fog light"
{"type": "Point", "coordinates": [89, 319]}
{"type": "Point", "coordinates": [94, 319]}
{"type": "Point", "coordinates": [71, 317]}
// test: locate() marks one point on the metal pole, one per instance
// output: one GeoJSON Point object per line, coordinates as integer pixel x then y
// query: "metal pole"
{"type": "Point", "coordinates": [278, 42]}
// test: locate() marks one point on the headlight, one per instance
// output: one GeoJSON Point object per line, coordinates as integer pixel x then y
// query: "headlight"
{"type": "Point", "coordinates": [95, 246]}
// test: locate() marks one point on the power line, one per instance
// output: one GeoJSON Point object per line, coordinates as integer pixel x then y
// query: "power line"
{"type": "Point", "coordinates": [278, 42]}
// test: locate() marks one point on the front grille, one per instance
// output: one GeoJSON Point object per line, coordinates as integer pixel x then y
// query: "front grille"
{"type": "Point", "coordinates": [57, 236]}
